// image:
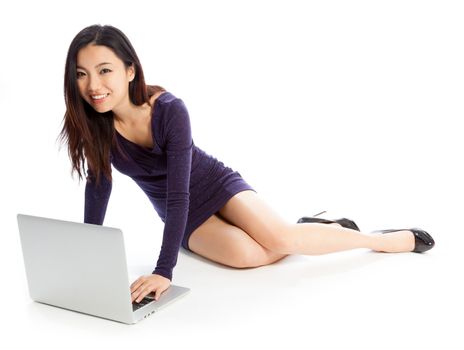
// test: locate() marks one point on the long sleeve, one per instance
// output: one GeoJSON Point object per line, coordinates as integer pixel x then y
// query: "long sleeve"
{"type": "Point", "coordinates": [179, 147]}
{"type": "Point", "coordinates": [96, 199]}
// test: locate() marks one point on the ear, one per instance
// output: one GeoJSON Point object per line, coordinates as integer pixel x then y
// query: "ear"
{"type": "Point", "coordinates": [131, 72]}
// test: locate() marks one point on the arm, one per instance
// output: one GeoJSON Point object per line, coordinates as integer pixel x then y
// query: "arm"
{"type": "Point", "coordinates": [179, 160]}
{"type": "Point", "coordinates": [96, 199]}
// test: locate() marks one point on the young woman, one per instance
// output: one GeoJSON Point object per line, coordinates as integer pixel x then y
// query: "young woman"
{"type": "Point", "coordinates": [113, 118]}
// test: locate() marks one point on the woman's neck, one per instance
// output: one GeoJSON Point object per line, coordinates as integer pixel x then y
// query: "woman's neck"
{"type": "Point", "coordinates": [130, 114]}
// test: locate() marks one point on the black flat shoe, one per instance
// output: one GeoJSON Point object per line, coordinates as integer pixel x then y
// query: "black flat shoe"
{"type": "Point", "coordinates": [423, 240]}
{"type": "Point", "coordinates": [344, 222]}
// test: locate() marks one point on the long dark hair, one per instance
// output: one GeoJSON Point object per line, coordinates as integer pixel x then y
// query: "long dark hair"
{"type": "Point", "coordinates": [89, 134]}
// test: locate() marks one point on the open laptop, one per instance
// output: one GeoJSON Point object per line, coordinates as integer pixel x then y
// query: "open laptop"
{"type": "Point", "coordinates": [82, 267]}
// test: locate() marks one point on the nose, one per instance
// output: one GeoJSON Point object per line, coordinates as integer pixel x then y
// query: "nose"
{"type": "Point", "coordinates": [94, 83]}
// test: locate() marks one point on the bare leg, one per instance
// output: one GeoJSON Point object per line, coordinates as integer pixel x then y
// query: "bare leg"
{"type": "Point", "coordinates": [249, 212]}
{"type": "Point", "coordinates": [316, 239]}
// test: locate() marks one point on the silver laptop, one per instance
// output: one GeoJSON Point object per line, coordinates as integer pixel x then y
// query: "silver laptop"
{"type": "Point", "coordinates": [82, 267]}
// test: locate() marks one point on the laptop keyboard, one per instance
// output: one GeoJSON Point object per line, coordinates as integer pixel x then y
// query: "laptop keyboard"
{"type": "Point", "coordinates": [143, 302]}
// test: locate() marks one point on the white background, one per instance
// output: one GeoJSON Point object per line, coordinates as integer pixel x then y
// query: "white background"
{"type": "Point", "coordinates": [348, 106]}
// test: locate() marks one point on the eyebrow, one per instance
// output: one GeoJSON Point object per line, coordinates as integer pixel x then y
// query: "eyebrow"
{"type": "Point", "coordinates": [98, 65]}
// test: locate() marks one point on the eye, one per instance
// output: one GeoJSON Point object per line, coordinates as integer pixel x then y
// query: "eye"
{"type": "Point", "coordinates": [79, 74]}
{"type": "Point", "coordinates": [105, 70]}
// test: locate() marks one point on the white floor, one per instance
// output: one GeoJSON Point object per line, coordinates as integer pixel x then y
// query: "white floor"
{"type": "Point", "coordinates": [353, 299]}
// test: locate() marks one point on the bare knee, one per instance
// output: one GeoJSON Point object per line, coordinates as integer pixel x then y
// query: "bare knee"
{"type": "Point", "coordinates": [248, 258]}
{"type": "Point", "coordinates": [245, 259]}
{"type": "Point", "coordinates": [258, 258]}
{"type": "Point", "coordinates": [279, 241]}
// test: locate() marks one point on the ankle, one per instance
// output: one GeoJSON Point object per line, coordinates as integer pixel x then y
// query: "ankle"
{"type": "Point", "coordinates": [378, 242]}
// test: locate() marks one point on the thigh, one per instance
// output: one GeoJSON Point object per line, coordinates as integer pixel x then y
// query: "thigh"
{"type": "Point", "coordinates": [253, 215]}
{"type": "Point", "coordinates": [219, 241]}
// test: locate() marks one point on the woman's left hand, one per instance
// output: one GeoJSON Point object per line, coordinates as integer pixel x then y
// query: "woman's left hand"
{"type": "Point", "coordinates": [144, 285]}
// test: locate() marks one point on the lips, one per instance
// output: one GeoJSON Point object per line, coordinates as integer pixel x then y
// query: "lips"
{"type": "Point", "coordinates": [97, 99]}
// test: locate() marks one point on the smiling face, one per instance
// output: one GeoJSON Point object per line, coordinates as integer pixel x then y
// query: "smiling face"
{"type": "Point", "coordinates": [102, 78]}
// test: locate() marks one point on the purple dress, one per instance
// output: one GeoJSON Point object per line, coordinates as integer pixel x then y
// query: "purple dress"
{"type": "Point", "coordinates": [185, 184]}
